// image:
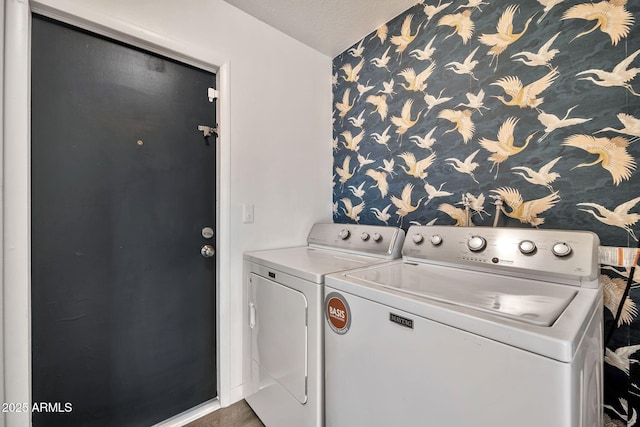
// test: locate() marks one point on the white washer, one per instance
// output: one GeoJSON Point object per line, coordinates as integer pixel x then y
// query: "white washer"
{"type": "Point", "coordinates": [474, 327]}
{"type": "Point", "coordinates": [283, 367]}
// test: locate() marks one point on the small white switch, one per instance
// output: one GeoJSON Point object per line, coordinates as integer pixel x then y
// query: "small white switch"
{"type": "Point", "coordinates": [247, 213]}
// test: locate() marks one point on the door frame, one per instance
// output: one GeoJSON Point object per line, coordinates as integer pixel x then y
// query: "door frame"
{"type": "Point", "coordinates": [16, 199]}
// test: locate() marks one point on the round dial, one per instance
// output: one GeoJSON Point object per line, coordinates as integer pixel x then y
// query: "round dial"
{"type": "Point", "coordinates": [476, 243]}
{"type": "Point", "coordinates": [436, 239]}
{"type": "Point", "coordinates": [344, 234]}
{"type": "Point", "coordinates": [561, 249]}
{"type": "Point", "coordinates": [417, 238]}
{"type": "Point", "coordinates": [527, 247]}
{"type": "Point", "coordinates": [364, 236]}
{"type": "Point", "coordinates": [376, 237]}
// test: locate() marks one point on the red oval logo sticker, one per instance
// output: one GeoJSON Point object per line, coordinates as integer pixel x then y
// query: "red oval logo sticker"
{"type": "Point", "coordinates": [337, 313]}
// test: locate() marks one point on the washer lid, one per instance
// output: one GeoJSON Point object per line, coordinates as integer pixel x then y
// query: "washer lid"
{"type": "Point", "coordinates": [534, 302]}
{"type": "Point", "coordinates": [309, 263]}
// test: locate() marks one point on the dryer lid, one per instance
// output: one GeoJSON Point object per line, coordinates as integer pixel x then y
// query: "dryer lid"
{"type": "Point", "coordinates": [530, 301]}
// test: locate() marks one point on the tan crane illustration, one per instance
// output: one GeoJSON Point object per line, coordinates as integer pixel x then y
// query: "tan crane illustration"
{"type": "Point", "coordinates": [459, 215]}
{"type": "Point", "coordinates": [405, 37]}
{"type": "Point", "coordinates": [611, 18]}
{"type": "Point", "coordinates": [416, 168]}
{"type": "Point", "coordinates": [552, 122]}
{"type": "Point", "coordinates": [504, 36]}
{"type": "Point", "coordinates": [525, 96]}
{"type": "Point", "coordinates": [352, 212]}
{"type": "Point", "coordinates": [543, 176]}
{"type": "Point", "coordinates": [461, 23]}
{"type": "Point", "coordinates": [525, 211]}
{"type": "Point", "coordinates": [462, 120]}
{"type": "Point", "coordinates": [619, 217]}
{"type": "Point", "coordinates": [351, 72]}
{"type": "Point", "coordinates": [344, 172]}
{"type": "Point", "coordinates": [504, 147]}
{"type": "Point", "coordinates": [405, 122]}
{"type": "Point", "coordinates": [467, 166]}
{"type": "Point", "coordinates": [612, 154]}
{"type": "Point", "coordinates": [416, 82]}
{"type": "Point", "coordinates": [380, 177]}
{"type": "Point", "coordinates": [620, 76]}
{"type": "Point", "coordinates": [631, 126]}
{"type": "Point", "coordinates": [543, 56]}
{"type": "Point", "coordinates": [404, 203]}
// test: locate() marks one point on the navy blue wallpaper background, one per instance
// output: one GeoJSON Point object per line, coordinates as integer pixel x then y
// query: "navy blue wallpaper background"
{"type": "Point", "coordinates": [531, 105]}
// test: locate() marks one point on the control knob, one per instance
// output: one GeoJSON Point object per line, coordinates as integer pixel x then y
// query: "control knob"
{"type": "Point", "coordinates": [344, 234]}
{"type": "Point", "coordinates": [476, 243]}
{"type": "Point", "coordinates": [364, 236]}
{"type": "Point", "coordinates": [417, 238]}
{"type": "Point", "coordinates": [436, 240]}
{"type": "Point", "coordinates": [527, 247]}
{"type": "Point", "coordinates": [561, 249]}
{"type": "Point", "coordinates": [376, 237]}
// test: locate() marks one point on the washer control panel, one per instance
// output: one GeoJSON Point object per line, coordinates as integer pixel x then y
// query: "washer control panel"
{"type": "Point", "coordinates": [366, 239]}
{"type": "Point", "coordinates": [556, 253]}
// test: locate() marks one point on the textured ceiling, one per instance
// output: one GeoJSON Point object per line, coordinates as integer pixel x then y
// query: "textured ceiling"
{"type": "Point", "coordinates": [329, 26]}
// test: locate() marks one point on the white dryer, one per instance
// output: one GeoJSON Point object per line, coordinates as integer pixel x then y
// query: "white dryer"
{"type": "Point", "coordinates": [475, 327]}
{"type": "Point", "coordinates": [283, 366]}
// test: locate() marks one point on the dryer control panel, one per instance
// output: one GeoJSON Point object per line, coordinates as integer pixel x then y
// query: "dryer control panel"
{"type": "Point", "coordinates": [371, 240]}
{"type": "Point", "coordinates": [564, 255]}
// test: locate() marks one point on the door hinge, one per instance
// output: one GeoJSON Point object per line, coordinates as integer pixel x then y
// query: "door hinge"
{"type": "Point", "coordinates": [212, 94]}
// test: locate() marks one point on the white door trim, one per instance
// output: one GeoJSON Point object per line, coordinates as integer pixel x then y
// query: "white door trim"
{"type": "Point", "coordinates": [16, 172]}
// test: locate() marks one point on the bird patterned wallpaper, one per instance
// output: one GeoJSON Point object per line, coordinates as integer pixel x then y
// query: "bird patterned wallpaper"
{"type": "Point", "coordinates": [519, 114]}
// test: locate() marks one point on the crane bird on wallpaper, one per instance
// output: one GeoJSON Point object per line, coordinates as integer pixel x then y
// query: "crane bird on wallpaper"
{"type": "Point", "coordinates": [525, 211]}
{"type": "Point", "coordinates": [620, 76]}
{"type": "Point", "coordinates": [383, 138]}
{"type": "Point", "coordinates": [619, 217]}
{"type": "Point", "coordinates": [543, 176]}
{"type": "Point", "coordinates": [612, 154]}
{"type": "Point", "coordinates": [380, 104]}
{"type": "Point", "coordinates": [425, 142]}
{"type": "Point", "coordinates": [465, 67]}
{"type": "Point", "coordinates": [611, 18]}
{"type": "Point", "coordinates": [405, 122]}
{"type": "Point", "coordinates": [504, 147]}
{"type": "Point", "coordinates": [387, 88]}
{"type": "Point", "coordinates": [432, 101]}
{"type": "Point", "coordinates": [467, 166]}
{"type": "Point", "coordinates": [416, 82]}
{"type": "Point", "coordinates": [383, 61]}
{"type": "Point", "coordinates": [475, 101]}
{"type": "Point", "coordinates": [462, 120]}
{"type": "Point", "coordinates": [433, 193]}
{"type": "Point", "coordinates": [426, 53]}
{"type": "Point", "coordinates": [382, 215]}
{"type": "Point", "coordinates": [612, 292]}
{"type": "Point", "coordinates": [459, 215]}
{"type": "Point", "coordinates": [344, 172]}
{"type": "Point", "coordinates": [621, 358]}
{"type": "Point", "coordinates": [432, 11]}
{"type": "Point", "coordinates": [358, 191]}
{"type": "Point", "coordinates": [404, 203]}
{"type": "Point", "coordinates": [357, 122]}
{"type": "Point", "coordinates": [504, 36]}
{"type": "Point", "coordinates": [472, 4]}
{"type": "Point", "coordinates": [548, 5]}
{"type": "Point", "coordinates": [552, 122]}
{"type": "Point", "coordinates": [388, 167]}
{"type": "Point", "coordinates": [461, 23]}
{"type": "Point", "coordinates": [525, 96]}
{"type": "Point", "coordinates": [364, 161]}
{"type": "Point", "coordinates": [352, 142]}
{"type": "Point", "coordinates": [416, 168]}
{"type": "Point", "coordinates": [351, 73]}
{"type": "Point", "coordinates": [344, 107]}
{"type": "Point", "coordinates": [357, 51]}
{"type": "Point", "coordinates": [631, 127]}
{"type": "Point", "coordinates": [405, 37]}
{"type": "Point", "coordinates": [362, 89]}
{"type": "Point", "coordinates": [380, 177]}
{"type": "Point", "coordinates": [541, 58]}
{"type": "Point", "coordinates": [352, 212]}
{"type": "Point", "coordinates": [381, 33]}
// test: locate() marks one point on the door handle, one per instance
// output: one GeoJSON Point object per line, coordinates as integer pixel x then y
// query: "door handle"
{"type": "Point", "coordinates": [207, 251]}
{"type": "Point", "coordinates": [252, 315]}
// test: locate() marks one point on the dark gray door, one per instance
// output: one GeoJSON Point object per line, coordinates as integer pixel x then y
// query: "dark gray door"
{"type": "Point", "coordinates": [123, 302]}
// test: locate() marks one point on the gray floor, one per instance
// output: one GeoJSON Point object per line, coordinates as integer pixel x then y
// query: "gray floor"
{"type": "Point", "coordinates": [237, 415]}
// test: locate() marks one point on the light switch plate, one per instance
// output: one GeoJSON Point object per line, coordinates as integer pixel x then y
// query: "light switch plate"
{"type": "Point", "coordinates": [247, 213]}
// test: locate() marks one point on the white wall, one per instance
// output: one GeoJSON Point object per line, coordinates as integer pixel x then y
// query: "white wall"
{"type": "Point", "coordinates": [276, 131]}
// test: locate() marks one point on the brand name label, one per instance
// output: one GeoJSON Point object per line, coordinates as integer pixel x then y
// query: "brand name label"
{"type": "Point", "coordinates": [402, 321]}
